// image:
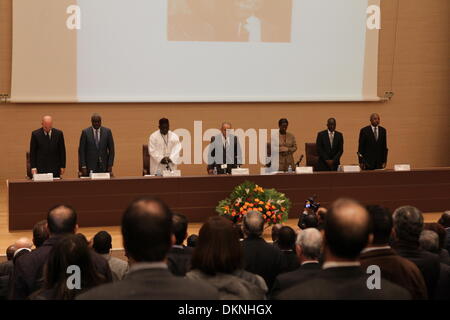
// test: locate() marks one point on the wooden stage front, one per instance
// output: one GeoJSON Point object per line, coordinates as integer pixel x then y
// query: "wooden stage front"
{"type": "Point", "coordinates": [102, 202]}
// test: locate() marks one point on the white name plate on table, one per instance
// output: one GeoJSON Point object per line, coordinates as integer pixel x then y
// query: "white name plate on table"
{"type": "Point", "coordinates": [43, 177]}
{"type": "Point", "coordinates": [353, 168]}
{"type": "Point", "coordinates": [240, 172]}
{"type": "Point", "coordinates": [302, 170]}
{"type": "Point", "coordinates": [173, 173]}
{"type": "Point", "coordinates": [402, 167]}
{"type": "Point", "coordinates": [100, 176]}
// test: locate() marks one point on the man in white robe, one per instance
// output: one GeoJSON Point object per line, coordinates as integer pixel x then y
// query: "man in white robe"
{"type": "Point", "coordinates": [164, 148]}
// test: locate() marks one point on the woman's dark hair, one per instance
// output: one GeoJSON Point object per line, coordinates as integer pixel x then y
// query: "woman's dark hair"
{"type": "Point", "coordinates": [218, 249]}
{"type": "Point", "coordinates": [68, 251]}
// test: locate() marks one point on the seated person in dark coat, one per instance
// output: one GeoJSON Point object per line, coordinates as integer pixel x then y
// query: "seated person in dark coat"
{"type": "Point", "coordinates": [179, 256]}
{"type": "Point", "coordinates": [147, 238]}
{"type": "Point", "coordinates": [286, 244]}
{"type": "Point", "coordinates": [394, 268]}
{"type": "Point", "coordinates": [408, 225]}
{"type": "Point", "coordinates": [308, 248]}
{"type": "Point", "coordinates": [260, 257]}
{"type": "Point", "coordinates": [346, 233]}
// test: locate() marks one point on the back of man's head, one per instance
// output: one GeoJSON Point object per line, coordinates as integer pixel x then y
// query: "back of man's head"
{"type": "Point", "coordinates": [408, 223]}
{"type": "Point", "coordinates": [380, 224]}
{"type": "Point", "coordinates": [179, 227]}
{"type": "Point", "coordinates": [61, 219]}
{"type": "Point", "coordinates": [10, 252]}
{"type": "Point", "coordinates": [429, 241]}
{"type": "Point", "coordinates": [147, 230]}
{"type": "Point", "coordinates": [346, 228]}
{"type": "Point", "coordinates": [286, 238]}
{"type": "Point", "coordinates": [310, 241]}
{"type": "Point", "coordinates": [276, 231]}
{"type": "Point", "coordinates": [40, 233]}
{"type": "Point", "coordinates": [253, 224]}
{"type": "Point", "coordinates": [102, 242]}
{"type": "Point", "coordinates": [444, 220]}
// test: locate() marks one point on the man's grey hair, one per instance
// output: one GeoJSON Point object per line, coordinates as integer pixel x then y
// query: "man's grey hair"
{"type": "Point", "coordinates": [253, 223]}
{"type": "Point", "coordinates": [429, 241]}
{"type": "Point", "coordinates": [408, 223]}
{"type": "Point", "coordinates": [310, 240]}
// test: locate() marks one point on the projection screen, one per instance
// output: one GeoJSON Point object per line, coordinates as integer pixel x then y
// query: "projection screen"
{"type": "Point", "coordinates": [193, 50]}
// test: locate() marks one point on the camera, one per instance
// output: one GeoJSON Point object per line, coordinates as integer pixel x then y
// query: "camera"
{"type": "Point", "coordinates": [308, 218]}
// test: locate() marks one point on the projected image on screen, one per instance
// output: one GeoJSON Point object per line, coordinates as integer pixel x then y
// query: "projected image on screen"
{"type": "Point", "coordinates": [232, 20]}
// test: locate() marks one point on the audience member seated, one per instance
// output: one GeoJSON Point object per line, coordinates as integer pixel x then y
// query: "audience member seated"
{"type": "Point", "coordinates": [40, 233]}
{"type": "Point", "coordinates": [147, 238]}
{"type": "Point", "coordinates": [260, 257]}
{"type": "Point", "coordinates": [408, 224]}
{"type": "Point", "coordinates": [179, 256]}
{"type": "Point", "coordinates": [308, 248]}
{"type": "Point", "coordinates": [442, 251]}
{"type": "Point", "coordinates": [192, 241]}
{"type": "Point", "coordinates": [394, 268]}
{"type": "Point", "coordinates": [238, 229]}
{"type": "Point", "coordinates": [444, 221]}
{"type": "Point", "coordinates": [28, 269]}
{"type": "Point", "coordinates": [275, 232]}
{"type": "Point", "coordinates": [218, 260]}
{"type": "Point", "coordinates": [286, 244]}
{"type": "Point", "coordinates": [70, 250]}
{"type": "Point", "coordinates": [22, 246]}
{"type": "Point", "coordinates": [346, 233]}
{"type": "Point", "coordinates": [102, 244]}
{"type": "Point", "coordinates": [429, 241]}
{"type": "Point", "coordinates": [5, 272]}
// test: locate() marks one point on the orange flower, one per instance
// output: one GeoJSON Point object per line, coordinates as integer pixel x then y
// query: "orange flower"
{"type": "Point", "coordinates": [233, 214]}
{"type": "Point", "coordinates": [283, 208]}
{"type": "Point", "coordinates": [264, 216]}
{"type": "Point", "coordinates": [244, 212]}
{"type": "Point", "coordinates": [251, 205]}
{"type": "Point", "coordinates": [273, 207]}
{"type": "Point", "coordinates": [260, 209]}
{"type": "Point", "coordinates": [261, 202]}
{"type": "Point", "coordinates": [269, 213]}
{"type": "Point", "coordinates": [256, 200]}
{"type": "Point", "coordinates": [267, 207]}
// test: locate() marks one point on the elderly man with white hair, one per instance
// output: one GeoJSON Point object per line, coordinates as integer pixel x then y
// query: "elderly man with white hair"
{"type": "Point", "coordinates": [308, 248]}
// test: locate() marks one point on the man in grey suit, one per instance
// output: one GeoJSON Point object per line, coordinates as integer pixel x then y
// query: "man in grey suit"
{"type": "Point", "coordinates": [96, 150]}
{"type": "Point", "coordinates": [147, 238]}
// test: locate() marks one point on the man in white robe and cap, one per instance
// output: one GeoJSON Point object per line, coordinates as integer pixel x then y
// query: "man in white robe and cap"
{"type": "Point", "coordinates": [164, 147]}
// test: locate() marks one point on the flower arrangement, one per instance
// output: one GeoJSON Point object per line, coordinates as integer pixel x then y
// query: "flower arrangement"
{"type": "Point", "coordinates": [273, 205]}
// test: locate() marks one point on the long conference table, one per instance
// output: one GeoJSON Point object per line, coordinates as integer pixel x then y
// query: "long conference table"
{"type": "Point", "coordinates": [102, 202]}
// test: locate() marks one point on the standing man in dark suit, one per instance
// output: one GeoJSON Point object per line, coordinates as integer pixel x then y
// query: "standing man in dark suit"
{"type": "Point", "coordinates": [372, 149]}
{"type": "Point", "coordinates": [330, 146]}
{"type": "Point", "coordinates": [47, 149]}
{"type": "Point", "coordinates": [224, 151]}
{"type": "Point", "coordinates": [96, 150]}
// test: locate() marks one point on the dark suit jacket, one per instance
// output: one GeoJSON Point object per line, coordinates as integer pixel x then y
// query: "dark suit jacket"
{"type": "Point", "coordinates": [152, 284]}
{"type": "Point", "coordinates": [232, 155]}
{"type": "Point", "coordinates": [262, 258]}
{"type": "Point", "coordinates": [443, 286]}
{"type": "Point", "coordinates": [96, 159]}
{"type": "Point", "coordinates": [374, 152]}
{"type": "Point", "coordinates": [179, 260]}
{"type": "Point", "coordinates": [398, 270]}
{"type": "Point", "coordinates": [5, 272]}
{"type": "Point", "coordinates": [328, 152]}
{"type": "Point", "coordinates": [289, 279]}
{"type": "Point", "coordinates": [343, 283]}
{"type": "Point", "coordinates": [48, 155]}
{"type": "Point", "coordinates": [289, 261]}
{"type": "Point", "coordinates": [27, 276]}
{"type": "Point", "coordinates": [428, 263]}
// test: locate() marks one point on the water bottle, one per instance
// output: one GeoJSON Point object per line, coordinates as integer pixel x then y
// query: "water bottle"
{"type": "Point", "coordinates": [290, 169]}
{"type": "Point", "coordinates": [215, 171]}
{"type": "Point", "coordinates": [90, 173]}
{"type": "Point", "coordinates": [158, 172]}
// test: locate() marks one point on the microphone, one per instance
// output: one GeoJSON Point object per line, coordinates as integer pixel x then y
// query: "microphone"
{"type": "Point", "coordinates": [298, 162]}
